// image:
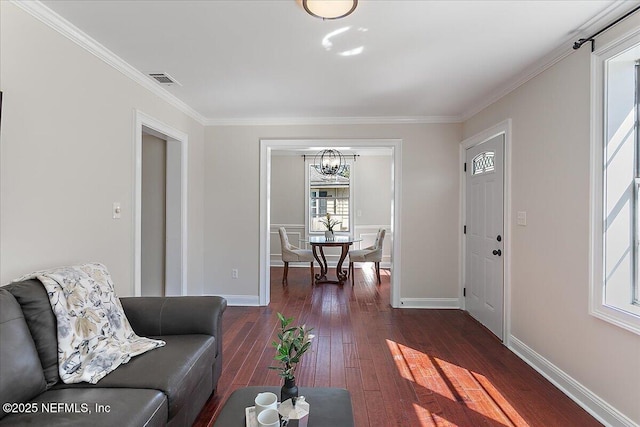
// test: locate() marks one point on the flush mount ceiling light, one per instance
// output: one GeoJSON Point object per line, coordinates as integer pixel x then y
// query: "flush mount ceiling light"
{"type": "Point", "coordinates": [329, 9]}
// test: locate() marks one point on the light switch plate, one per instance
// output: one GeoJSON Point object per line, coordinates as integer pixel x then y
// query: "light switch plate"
{"type": "Point", "coordinates": [521, 219]}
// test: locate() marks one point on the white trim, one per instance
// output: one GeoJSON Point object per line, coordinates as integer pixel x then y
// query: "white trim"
{"type": "Point", "coordinates": [266, 145]}
{"type": "Point", "coordinates": [73, 33]}
{"type": "Point", "coordinates": [279, 263]}
{"type": "Point", "coordinates": [297, 231]}
{"type": "Point", "coordinates": [308, 161]}
{"type": "Point", "coordinates": [597, 306]}
{"type": "Point", "coordinates": [611, 13]}
{"type": "Point", "coordinates": [52, 19]}
{"type": "Point", "coordinates": [433, 303]}
{"type": "Point", "coordinates": [291, 121]}
{"type": "Point", "coordinates": [242, 300]}
{"type": "Point", "coordinates": [585, 398]}
{"type": "Point", "coordinates": [143, 120]}
{"type": "Point", "coordinates": [396, 221]}
{"type": "Point", "coordinates": [41, 12]}
{"type": "Point", "coordinates": [503, 127]}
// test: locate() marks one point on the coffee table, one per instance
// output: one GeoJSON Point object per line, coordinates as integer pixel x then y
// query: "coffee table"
{"type": "Point", "coordinates": [329, 407]}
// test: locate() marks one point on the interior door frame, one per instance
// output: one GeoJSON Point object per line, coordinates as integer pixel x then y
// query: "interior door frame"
{"type": "Point", "coordinates": [176, 211]}
{"type": "Point", "coordinates": [502, 128]}
{"type": "Point", "coordinates": [267, 145]}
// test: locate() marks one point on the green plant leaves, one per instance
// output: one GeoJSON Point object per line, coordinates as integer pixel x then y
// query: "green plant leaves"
{"type": "Point", "coordinates": [293, 343]}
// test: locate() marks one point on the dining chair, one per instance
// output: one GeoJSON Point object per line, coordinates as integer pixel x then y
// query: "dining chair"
{"type": "Point", "coordinates": [371, 254]}
{"type": "Point", "coordinates": [292, 253]}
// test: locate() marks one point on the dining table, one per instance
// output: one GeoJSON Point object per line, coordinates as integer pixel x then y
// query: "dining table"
{"type": "Point", "coordinates": [318, 243]}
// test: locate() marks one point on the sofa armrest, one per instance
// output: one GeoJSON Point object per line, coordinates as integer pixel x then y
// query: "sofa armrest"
{"type": "Point", "coordinates": [175, 315]}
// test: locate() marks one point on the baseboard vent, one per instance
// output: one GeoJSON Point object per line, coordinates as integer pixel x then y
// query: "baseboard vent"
{"type": "Point", "coordinates": [164, 79]}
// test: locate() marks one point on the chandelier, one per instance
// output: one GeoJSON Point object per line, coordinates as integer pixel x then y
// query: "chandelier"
{"type": "Point", "coordinates": [329, 162]}
{"type": "Point", "coordinates": [329, 9]}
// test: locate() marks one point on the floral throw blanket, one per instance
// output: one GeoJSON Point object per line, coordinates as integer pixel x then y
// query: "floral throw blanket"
{"type": "Point", "coordinates": [94, 335]}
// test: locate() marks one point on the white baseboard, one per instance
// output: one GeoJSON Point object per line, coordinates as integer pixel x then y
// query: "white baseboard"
{"type": "Point", "coordinates": [331, 263]}
{"type": "Point", "coordinates": [280, 263]}
{"type": "Point", "coordinates": [451, 303]}
{"type": "Point", "coordinates": [242, 300]}
{"type": "Point", "coordinates": [589, 401]}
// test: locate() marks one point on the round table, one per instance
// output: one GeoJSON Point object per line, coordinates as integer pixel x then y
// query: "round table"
{"type": "Point", "coordinates": [318, 243]}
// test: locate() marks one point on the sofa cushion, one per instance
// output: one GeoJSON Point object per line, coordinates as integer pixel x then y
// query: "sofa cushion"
{"type": "Point", "coordinates": [174, 369]}
{"type": "Point", "coordinates": [21, 376]}
{"type": "Point", "coordinates": [94, 407]}
{"type": "Point", "coordinates": [32, 297]}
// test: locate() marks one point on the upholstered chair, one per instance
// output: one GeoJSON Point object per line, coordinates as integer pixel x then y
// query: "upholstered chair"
{"type": "Point", "coordinates": [370, 254]}
{"type": "Point", "coordinates": [292, 253]}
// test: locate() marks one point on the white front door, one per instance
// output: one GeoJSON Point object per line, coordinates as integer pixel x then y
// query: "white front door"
{"type": "Point", "coordinates": [484, 265]}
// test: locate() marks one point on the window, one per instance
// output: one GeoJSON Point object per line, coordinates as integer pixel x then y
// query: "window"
{"type": "Point", "coordinates": [615, 288]}
{"type": "Point", "coordinates": [483, 163]}
{"type": "Point", "coordinates": [329, 194]}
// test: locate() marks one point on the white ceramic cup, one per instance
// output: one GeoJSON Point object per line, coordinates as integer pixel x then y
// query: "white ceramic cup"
{"type": "Point", "coordinates": [266, 401]}
{"type": "Point", "coordinates": [269, 418]}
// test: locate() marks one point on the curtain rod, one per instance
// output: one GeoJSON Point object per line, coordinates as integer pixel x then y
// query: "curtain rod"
{"type": "Point", "coordinates": [354, 156]}
{"type": "Point", "coordinates": [577, 45]}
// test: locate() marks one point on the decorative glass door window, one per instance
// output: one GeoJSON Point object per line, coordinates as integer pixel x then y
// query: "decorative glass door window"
{"type": "Point", "coordinates": [483, 163]}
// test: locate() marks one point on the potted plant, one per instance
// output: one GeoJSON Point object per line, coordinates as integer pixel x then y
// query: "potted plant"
{"type": "Point", "coordinates": [328, 222]}
{"type": "Point", "coordinates": [293, 342]}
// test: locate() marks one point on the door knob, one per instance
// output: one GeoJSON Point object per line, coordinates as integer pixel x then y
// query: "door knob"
{"type": "Point", "coordinates": [497, 252]}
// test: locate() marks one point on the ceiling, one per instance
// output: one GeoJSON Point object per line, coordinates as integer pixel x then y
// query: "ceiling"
{"type": "Point", "coordinates": [260, 60]}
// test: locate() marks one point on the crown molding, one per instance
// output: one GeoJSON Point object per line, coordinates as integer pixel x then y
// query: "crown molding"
{"type": "Point", "coordinates": [73, 33]}
{"type": "Point", "coordinates": [292, 121]}
{"type": "Point", "coordinates": [67, 29]}
{"type": "Point", "coordinates": [611, 13]}
{"type": "Point", "coordinates": [50, 18]}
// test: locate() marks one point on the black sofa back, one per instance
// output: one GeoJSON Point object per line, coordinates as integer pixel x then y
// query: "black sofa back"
{"type": "Point", "coordinates": [20, 367]}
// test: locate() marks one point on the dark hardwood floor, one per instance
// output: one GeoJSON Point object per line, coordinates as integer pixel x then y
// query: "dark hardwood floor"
{"type": "Point", "coordinates": [407, 367]}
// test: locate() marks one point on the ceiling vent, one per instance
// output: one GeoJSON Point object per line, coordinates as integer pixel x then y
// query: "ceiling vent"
{"type": "Point", "coordinates": [164, 79]}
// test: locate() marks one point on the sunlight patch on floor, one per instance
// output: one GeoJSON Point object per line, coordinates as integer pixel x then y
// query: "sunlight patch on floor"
{"type": "Point", "coordinates": [440, 385]}
{"type": "Point", "coordinates": [368, 270]}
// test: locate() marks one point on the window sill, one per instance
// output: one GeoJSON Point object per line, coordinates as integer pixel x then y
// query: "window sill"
{"type": "Point", "coordinates": [618, 317]}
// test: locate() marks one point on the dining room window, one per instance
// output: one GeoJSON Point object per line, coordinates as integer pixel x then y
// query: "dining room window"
{"type": "Point", "coordinates": [329, 195]}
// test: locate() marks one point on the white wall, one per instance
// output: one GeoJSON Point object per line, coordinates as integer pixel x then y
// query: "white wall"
{"type": "Point", "coordinates": [550, 256]}
{"type": "Point", "coordinates": [67, 154]}
{"type": "Point", "coordinates": [372, 181]}
{"type": "Point", "coordinates": [287, 190]}
{"type": "Point", "coordinates": [429, 195]}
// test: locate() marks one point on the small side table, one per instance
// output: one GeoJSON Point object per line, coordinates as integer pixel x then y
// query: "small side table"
{"type": "Point", "coordinates": [328, 406]}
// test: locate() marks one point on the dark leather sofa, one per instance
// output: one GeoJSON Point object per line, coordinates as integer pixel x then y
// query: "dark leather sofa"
{"type": "Point", "coordinates": [165, 386]}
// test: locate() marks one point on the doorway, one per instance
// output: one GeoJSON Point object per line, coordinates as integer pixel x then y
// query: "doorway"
{"type": "Point", "coordinates": [485, 224]}
{"type": "Point", "coordinates": [484, 296]}
{"type": "Point", "coordinates": [154, 215]}
{"type": "Point", "coordinates": [266, 147]}
{"type": "Point", "coordinates": [164, 247]}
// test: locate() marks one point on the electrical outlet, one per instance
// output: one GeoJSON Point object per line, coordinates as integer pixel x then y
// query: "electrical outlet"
{"type": "Point", "coordinates": [234, 273]}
